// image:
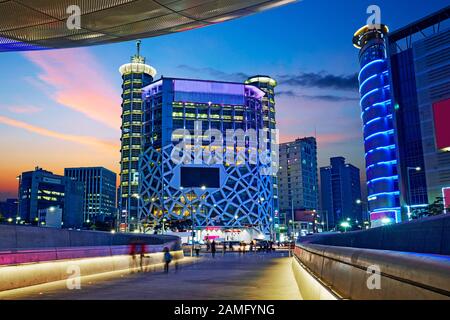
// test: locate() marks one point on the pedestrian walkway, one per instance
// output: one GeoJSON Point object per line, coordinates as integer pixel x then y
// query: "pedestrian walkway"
{"type": "Point", "coordinates": [232, 276]}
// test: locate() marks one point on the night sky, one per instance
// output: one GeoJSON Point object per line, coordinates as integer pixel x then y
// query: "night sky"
{"type": "Point", "coordinates": [61, 108]}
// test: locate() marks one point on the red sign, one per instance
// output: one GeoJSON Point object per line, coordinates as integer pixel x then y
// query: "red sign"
{"type": "Point", "coordinates": [446, 196]}
{"type": "Point", "coordinates": [441, 111]}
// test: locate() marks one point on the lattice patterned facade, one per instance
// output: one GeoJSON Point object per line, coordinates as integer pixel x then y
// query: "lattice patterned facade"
{"type": "Point", "coordinates": [244, 197]}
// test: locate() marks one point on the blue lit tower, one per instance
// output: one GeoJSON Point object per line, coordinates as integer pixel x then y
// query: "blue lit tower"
{"type": "Point", "coordinates": [135, 75]}
{"type": "Point", "coordinates": [379, 132]}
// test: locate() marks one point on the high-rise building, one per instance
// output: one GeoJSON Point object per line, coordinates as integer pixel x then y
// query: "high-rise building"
{"type": "Point", "coordinates": [235, 190]}
{"type": "Point", "coordinates": [40, 190]}
{"type": "Point", "coordinates": [420, 67]}
{"type": "Point", "coordinates": [298, 186]}
{"type": "Point", "coordinates": [135, 75]}
{"type": "Point", "coordinates": [405, 89]}
{"type": "Point", "coordinates": [379, 130]}
{"type": "Point", "coordinates": [99, 192]}
{"type": "Point", "coordinates": [340, 193]}
{"type": "Point", "coordinates": [267, 85]}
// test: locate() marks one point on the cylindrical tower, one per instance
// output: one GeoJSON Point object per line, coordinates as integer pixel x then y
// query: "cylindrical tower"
{"type": "Point", "coordinates": [267, 85]}
{"type": "Point", "coordinates": [135, 76]}
{"type": "Point", "coordinates": [379, 129]}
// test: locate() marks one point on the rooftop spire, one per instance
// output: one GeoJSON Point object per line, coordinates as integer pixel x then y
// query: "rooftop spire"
{"type": "Point", "coordinates": [137, 58]}
{"type": "Point", "coordinates": [138, 47]}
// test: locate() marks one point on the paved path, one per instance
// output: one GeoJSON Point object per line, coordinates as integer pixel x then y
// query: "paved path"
{"type": "Point", "coordinates": [233, 276]}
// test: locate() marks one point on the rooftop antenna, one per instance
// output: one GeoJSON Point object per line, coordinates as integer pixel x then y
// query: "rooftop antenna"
{"type": "Point", "coordinates": [138, 47]}
{"type": "Point", "coordinates": [137, 58]}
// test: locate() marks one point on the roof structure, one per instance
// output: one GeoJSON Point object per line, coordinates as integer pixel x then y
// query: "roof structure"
{"type": "Point", "coordinates": [51, 24]}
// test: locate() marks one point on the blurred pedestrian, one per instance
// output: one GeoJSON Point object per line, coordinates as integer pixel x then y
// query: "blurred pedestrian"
{"type": "Point", "coordinates": [213, 249]}
{"type": "Point", "coordinates": [167, 259]}
{"type": "Point", "coordinates": [132, 252]}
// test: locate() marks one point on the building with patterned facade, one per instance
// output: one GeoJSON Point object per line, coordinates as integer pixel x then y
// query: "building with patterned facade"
{"type": "Point", "coordinates": [228, 194]}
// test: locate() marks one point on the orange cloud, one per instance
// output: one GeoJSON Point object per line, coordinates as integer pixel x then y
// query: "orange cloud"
{"type": "Point", "coordinates": [86, 140]}
{"type": "Point", "coordinates": [78, 82]}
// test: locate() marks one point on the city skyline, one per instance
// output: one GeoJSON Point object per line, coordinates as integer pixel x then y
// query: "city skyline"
{"type": "Point", "coordinates": [70, 113]}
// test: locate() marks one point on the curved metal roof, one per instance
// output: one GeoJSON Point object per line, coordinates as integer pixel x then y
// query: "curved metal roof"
{"type": "Point", "coordinates": [43, 24]}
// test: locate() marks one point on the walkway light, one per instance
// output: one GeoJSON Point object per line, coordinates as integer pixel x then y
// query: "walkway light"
{"type": "Point", "coordinates": [345, 225]}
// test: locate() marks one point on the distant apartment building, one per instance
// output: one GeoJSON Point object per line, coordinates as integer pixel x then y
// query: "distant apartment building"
{"type": "Point", "coordinates": [298, 186]}
{"type": "Point", "coordinates": [340, 193]}
{"type": "Point", "coordinates": [99, 192]}
{"type": "Point", "coordinates": [41, 190]}
{"type": "Point", "coordinates": [8, 209]}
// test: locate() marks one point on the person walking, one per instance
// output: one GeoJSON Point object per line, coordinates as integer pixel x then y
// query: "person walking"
{"type": "Point", "coordinates": [213, 249]}
{"type": "Point", "coordinates": [224, 248]}
{"type": "Point", "coordinates": [167, 259]}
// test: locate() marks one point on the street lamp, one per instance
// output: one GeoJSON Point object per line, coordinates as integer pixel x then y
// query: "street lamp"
{"type": "Point", "coordinates": [345, 225]}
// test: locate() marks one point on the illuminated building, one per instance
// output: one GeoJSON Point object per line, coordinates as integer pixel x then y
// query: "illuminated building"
{"type": "Point", "coordinates": [99, 192]}
{"type": "Point", "coordinates": [40, 190]}
{"type": "Point", "coordinates": [135, 76]}
{"type": "Point", "coordinates": [340, 191]}
{"type": "Point", "coordinates": [267, 85]}
{"type": "Point", "coordinates": [298, 185]}
{"type": "Point", "coordinates": [420, 68]}
{"type": "Point", "coordinates": [221, 195]}
{"type": "Point", "coordinates": [379, 130]}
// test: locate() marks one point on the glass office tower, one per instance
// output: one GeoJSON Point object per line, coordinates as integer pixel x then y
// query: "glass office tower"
{"type": "Point", "coordinates": [340, 191]}
{"type": "Point", "coordinates": [420, 68]}
{"type": "Point", "coordinates": [135, 76]}
{"type": "Point", "coordinates": [99, 192]}
{"type": "Point", "coordinates": [222, 195]}
{"type": "Point", "coordinates": [379, 129]}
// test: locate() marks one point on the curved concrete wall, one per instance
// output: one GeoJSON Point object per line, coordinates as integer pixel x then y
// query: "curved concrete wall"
{"type": "Point", "coordinates": [429, 235]}
{"type": "Point", "coordinates": [402, 275]}
{"type": "Point", "coordinates": [28, 237]}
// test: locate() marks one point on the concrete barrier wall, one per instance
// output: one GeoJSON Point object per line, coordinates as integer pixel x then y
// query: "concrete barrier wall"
{"type": "Point", "coordinates": [28, 237]}
{"type": "Point", "coordinates": [14, 257]}
{"type": "Point", "coordinates": [402, 275]}
{"type": "Point", "coordinates": [309, 286]}
{"type": "Point", "coordinates": [14, 277]}
{"type": "Point", "coordinates": [429, 235]}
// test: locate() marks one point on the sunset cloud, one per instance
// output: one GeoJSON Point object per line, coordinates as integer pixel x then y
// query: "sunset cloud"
{"type": "Point", "coordinates": [29, 109]}
{"type": "Point", "coordinates": [79, 83]}
{"type": "Point", "coordinates": [86, 140]}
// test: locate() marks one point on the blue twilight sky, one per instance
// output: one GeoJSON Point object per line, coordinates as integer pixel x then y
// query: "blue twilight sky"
{"type": "Point", "coordinates": [61, 108]}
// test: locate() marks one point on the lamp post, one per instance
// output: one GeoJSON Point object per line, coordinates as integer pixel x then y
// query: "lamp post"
{"type": "Point", "coordinates": [364, 208]}
{"type": "Point", "coordinates": [345, 225]}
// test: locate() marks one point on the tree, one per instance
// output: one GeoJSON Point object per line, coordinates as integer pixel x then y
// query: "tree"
{"type": "Point", "coordinates": [437, 207]}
